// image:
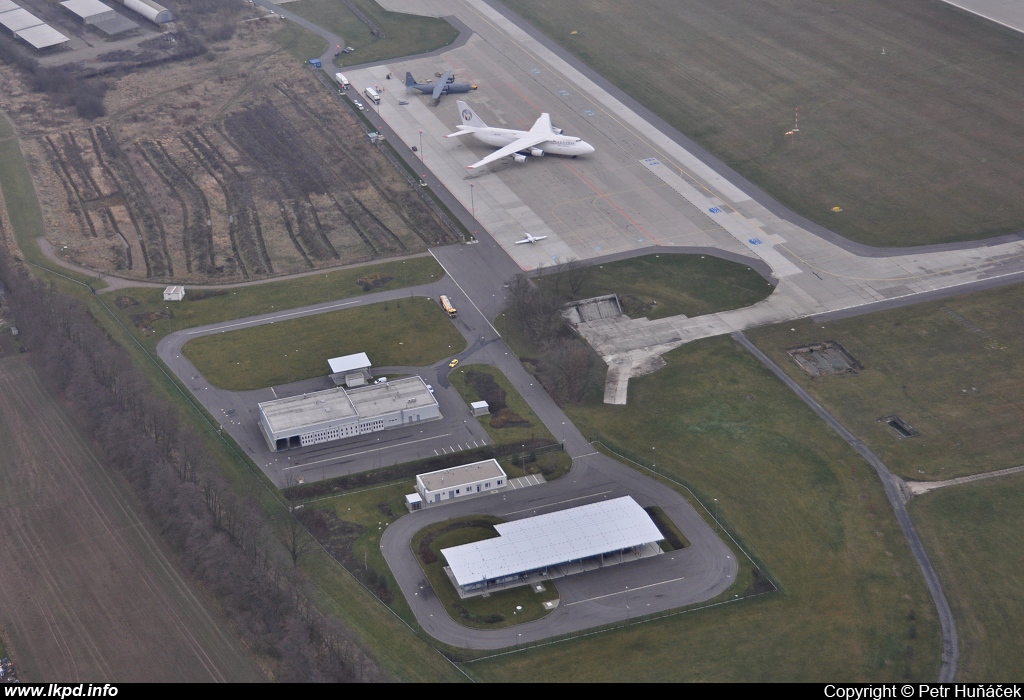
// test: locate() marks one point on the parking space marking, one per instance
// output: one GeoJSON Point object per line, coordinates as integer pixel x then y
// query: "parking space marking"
{"type": "Point", "coordinates": [630, 590]}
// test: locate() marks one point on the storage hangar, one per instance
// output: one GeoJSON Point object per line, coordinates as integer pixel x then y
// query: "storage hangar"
{"type": "Point", "coordinates": [89, 11]}
{"type": "Point", "coordinates": [535, 545]}
{"type": "Point", "coordinates": [155, 13]}
{"type": "Point", "coordinates": [41, 36]}
{"type": "Point", "coordinates": [461, 481]}
{"type": "Point", "coordinates": [335, 414]}
{"type": "Point", "coordinates": [16, 20]}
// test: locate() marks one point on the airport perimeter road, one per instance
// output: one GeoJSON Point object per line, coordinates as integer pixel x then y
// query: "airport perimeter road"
{"type": "Point", "coordinates": [334, 42]}
{"type": "Point", "coordinates": [604, 596]}
{"type": "Point", "coordinates": [950, 646]}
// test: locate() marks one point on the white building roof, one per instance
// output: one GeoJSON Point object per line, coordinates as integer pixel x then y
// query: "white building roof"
{"type": "Point", "coordinates": [87, 8]}
{"type": "Point", "coordinates": [296, 412]}
{"type": "Point", "coordinates": [479, 404]}
{"type": "Point", "coordinates": [464, 474]}
{"type": "Point", "coordinates": [19, 19]}
{"type": "Point", "coordinates": [41, 36]}
{"type": "Point", "coordinates": [555, 538]}
{"type": "Point", "coordinates": [381, 399]}
{"type": "Point", "coordinates": [7, 6]}
{"type": "Point", "coordinates": [174, 290]}
{"type": "Point", "coordinates": [349, 363]}
{"type": "Point", "coordinates": [287, 415]}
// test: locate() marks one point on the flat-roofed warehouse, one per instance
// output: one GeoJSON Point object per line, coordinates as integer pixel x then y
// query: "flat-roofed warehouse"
{"type": "Point", "coordinates": [335, 414]}
{"type": "Point", "coordinates": [16, 20]}
{"type": "Point", "coordinates": [89, 11]}
{"type": "Point", "coordinates": [534, 545]}
{"type": "Point", "coordinates": [41, 36]}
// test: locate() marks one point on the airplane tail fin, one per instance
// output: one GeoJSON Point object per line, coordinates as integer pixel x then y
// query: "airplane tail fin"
{"type": "Point", "coordinates": [409, 81]}
{"type": "Point", "coordinates": [469, 117]}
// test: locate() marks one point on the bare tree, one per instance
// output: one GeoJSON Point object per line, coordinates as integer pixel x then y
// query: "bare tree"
{"type": "Point", "coordinates": [296, 540]}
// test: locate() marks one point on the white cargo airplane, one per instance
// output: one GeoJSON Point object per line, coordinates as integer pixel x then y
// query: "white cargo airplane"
{"type": "Point", "coordinates": [540, 139]}
{"type": "Point", "coordinates": [530, 238]}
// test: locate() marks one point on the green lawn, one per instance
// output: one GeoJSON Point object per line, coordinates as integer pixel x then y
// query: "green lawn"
{"type": "Point", "coordinates": [852, 603]}
{"type": "Point", "coordinates": [205, 306]}
{"type": "Point", "coordinates": [300, 43]}
{"type": "Point", "coordinates": [973, 535]}
{"type": "Point", "coordinates": [904, 105]}
{"type": "Point", "coordinates": [509, 434]}
{"type": "Point", "coordinates": [953, 369]}
{"type": "Point", "coordinates": [405, 34]}
{"type": "Point", "coordinates": [506, 608]}
{"type": "Point", "coordinates": [662, 285]}
{"type": "Point", "coordinates": [413, 331]}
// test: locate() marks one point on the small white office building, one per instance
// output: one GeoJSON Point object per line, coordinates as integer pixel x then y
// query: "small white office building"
{"type": "Point", "coordinates": [458, 482]}
{"type": "Point", "coordinates": [174, 294]}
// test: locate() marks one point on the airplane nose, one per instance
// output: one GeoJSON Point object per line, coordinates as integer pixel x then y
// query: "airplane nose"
{"type": "Point", "coordinates": [587, 148]}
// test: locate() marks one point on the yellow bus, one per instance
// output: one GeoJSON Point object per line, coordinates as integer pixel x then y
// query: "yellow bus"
{"type": "Point", "coordinates": [447, 306]}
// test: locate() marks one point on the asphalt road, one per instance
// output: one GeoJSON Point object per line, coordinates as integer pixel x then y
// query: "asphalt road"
{"type": "Point", "coordinates": [604, 596]}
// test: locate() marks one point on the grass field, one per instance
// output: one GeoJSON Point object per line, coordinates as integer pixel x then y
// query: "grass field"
{"type": "Point", "coordinates": [405, 34]}
{"type": "Point", "coordinates": [917, 145]}
{"type": "Point", "coordinates": [953, 370]}
{"type": "Point", "coordinates": [972, 532]}
{"type": "Point", "coordinates": [407, 332]}
{"type": "Point", "coordinates": [204, 306]}
{"type": "Point", "coordinates": [514, 606]}
{"type": "Point", "coordinates": [656, 286]}
{"type": "Point", "coordinates": [852, 603]}
{"type": "Point", "coordinates": [300, 43]}
{"type": "Point", "coordinates": [88, 592]}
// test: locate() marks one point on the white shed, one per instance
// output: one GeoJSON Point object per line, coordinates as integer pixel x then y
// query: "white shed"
{"type": "Point", "coordinates": [174, 294]}
{"type": "Point", "coordinates": [480, 408]}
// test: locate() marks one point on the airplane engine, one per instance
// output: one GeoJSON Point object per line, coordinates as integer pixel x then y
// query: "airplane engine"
{"type": "Point", "coordinates": [519, 158]}
{"type": "Point", "coordinates": [556, 130]}
{"type": "Point", "coordinates": [536, 152]}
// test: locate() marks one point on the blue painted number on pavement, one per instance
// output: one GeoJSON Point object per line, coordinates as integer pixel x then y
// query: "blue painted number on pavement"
{"type": "Point", "coordinates": [755, 241]}
{"type": "Point", "coordinates": [715, 210]}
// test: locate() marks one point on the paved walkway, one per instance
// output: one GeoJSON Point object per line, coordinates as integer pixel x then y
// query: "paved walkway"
{"type": "Point", "coordinates": [918, 488]}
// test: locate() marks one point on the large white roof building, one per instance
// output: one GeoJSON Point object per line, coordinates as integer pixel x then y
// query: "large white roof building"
{"type": "Point", "coordinates": [335, 414]}
{"type": "Point", "coordinates": [535, 544]}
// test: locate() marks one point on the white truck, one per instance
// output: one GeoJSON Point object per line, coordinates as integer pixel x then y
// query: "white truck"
{"type": "Point", "coordinates": [342, 81]}
{"type": "Point", "coordinates": [372, 94]}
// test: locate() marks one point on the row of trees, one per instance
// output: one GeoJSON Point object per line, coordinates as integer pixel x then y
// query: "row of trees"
{"type": "Point", "coordinates": [569, 369]}
{"type": "Point", "coordinates": [225, 539]}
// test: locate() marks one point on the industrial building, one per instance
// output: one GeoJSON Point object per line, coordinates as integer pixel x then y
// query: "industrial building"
{"type": "Point", "coordinates": [459, 482]}
{"type": "Point", "coordinates": [26, 26]}
{"type": "Point", "coordinates": [336, 414]}
{"type": "Point", "coordinates": [539, 544]}
{"type": "Point", "coordinates": [89, 11]}
{"type": "Point", "coordinates": [350, 370]}
{"type": "Point", "coordinates": [154, 12]}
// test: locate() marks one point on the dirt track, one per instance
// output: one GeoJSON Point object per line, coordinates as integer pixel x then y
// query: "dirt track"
{"type": "Point", "coordinates": [87, 592]}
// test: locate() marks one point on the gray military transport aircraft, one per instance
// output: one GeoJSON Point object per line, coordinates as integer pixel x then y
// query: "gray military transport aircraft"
{"type": "Point", "coordinates": [444, 86]}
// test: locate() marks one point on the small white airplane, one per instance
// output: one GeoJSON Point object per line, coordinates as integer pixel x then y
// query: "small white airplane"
{"type": "Point", "coordinates": [540, 139]}
{"type": "Point", "coordinates": [530, 238]}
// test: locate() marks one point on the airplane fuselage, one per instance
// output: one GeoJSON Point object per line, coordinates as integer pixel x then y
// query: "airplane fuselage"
{"type": "Point", "coordinates": [449, 89]}
{"type": "Point", "coordinates": [557, 145]}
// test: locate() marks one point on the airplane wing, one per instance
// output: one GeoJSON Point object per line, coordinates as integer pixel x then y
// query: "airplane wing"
{"type": "Point", "coordinates": [538, 134]}
{"type": "Point", "coordinates": [439, 88]}
{"type": "Point", "coordinates": [462, 132]}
